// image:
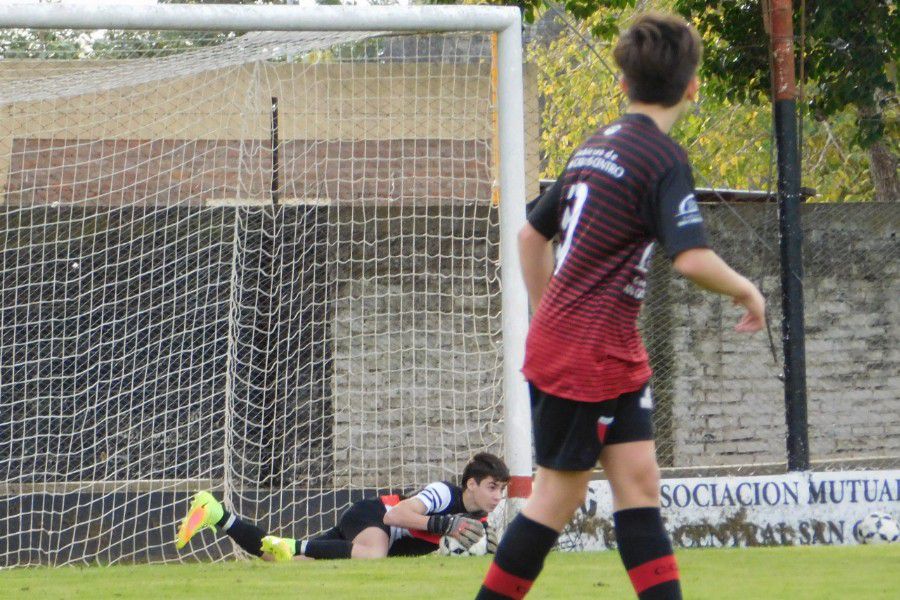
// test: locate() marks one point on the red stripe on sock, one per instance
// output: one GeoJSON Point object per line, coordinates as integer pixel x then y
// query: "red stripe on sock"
{"type": "Point", "coordinates": [500, 582]}
{"type": "Point", "coordinates": [653, 573]}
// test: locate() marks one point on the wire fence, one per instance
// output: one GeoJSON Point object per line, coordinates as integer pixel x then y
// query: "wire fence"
{"type": "Point", "coordinates": [720, 394]}
{"type": "Point", "coordinates": [93, 275]}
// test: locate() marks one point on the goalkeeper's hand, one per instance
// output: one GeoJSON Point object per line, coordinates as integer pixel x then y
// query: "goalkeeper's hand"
{"type": "Point", "coordinates": [463, 529]}
{"type": "Point", "coordinates": [492, 540]}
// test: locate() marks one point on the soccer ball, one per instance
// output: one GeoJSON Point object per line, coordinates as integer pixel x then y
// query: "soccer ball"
{"type": "Point", "coordinates": [451, 547]}
{"type": "Point", "coordinates": [877, 528]}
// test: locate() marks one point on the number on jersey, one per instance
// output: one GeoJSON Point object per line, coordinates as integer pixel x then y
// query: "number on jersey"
{"type": "Point", "coordinates": [575, 199]}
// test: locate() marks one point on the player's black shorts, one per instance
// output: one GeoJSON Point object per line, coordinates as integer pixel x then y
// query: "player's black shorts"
{"type": "Point", "coordinates": [370, 513]}
{"type": "Point", "coordinates": [361, 515]}
{"type": "Point", "coordinates": [569, 435]}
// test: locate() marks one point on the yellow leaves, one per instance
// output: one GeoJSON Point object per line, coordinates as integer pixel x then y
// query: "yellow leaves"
{"type": "Point", "coordinates": [729, 143]}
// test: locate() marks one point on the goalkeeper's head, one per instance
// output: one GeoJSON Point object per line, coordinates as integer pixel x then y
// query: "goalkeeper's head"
{"type": "Point", "coordinates": [659, 55]}
{"type": "Point", "coordinates": [484, 481]}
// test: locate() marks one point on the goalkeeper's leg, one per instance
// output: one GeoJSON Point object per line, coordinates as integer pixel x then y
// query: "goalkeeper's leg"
{"type": "Point", "coordinates": [360, 533]}
{"type": "Point", "coordinates": [206, 512]}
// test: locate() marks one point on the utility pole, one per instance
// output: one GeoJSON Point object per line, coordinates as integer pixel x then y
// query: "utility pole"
{"type": "Point", "coordinates": [784, 105]}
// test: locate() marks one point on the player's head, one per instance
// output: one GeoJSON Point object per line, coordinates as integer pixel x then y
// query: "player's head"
{"type": "Point", "coordinates": [485, 479]}
{"type": "Point", "coordinates": [659, 55]}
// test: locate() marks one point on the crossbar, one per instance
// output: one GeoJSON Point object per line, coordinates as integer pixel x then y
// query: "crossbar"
{"type": "Point", "coordinates": [224, 17]}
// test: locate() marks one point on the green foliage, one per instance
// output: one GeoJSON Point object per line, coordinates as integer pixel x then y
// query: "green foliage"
{"type": "Point", "coordinates": [729, 144]}
{"type": "Point", "coordinates": [603, 15]}
{"type": "Point", "coordinates": [579, 92]}
{"type": "Point", "coordinates": [729, 138]}
{"type": "Point", "coordinates": [67, 44]}
{"type": "Point", "coordinates": [729, 141]}
{"type": "Point", "coordinates": [850, 55]}
{"type": "Point", "coordinates": [46, 44]}
{"type": "Point", "coordinates": [837, 169]}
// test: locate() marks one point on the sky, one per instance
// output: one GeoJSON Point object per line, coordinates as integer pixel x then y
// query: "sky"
{"type": "Point", "coordinates": [145, 2]}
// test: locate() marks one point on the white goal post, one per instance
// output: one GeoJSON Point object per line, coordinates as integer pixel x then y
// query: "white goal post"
{"type": "Point", "coordinates": [380, 180]}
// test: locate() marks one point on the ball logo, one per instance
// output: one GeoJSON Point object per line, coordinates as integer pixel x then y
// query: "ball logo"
{"type": "Point", "coordinates": [688, 206]}
{"type": "Point", "coordinates": [688, 212]}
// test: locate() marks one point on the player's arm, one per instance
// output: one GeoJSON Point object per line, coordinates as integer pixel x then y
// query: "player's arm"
{"type": "Point", "coordinates": [409, 514]}
{"type": "Point", "coordinates": [706, 269]}
{"type": "Point", "coordinates": [535, 249]}
{"type": "Point", "coordinates": [423, 512]}
{"type": "Point", "coordinates": [678, 225]}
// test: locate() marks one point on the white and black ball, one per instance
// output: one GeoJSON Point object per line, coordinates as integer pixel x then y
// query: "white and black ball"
{"type": "Point", "coordinates": [877, 528]}
{"type": "Point", "coordinates": [451, 547]}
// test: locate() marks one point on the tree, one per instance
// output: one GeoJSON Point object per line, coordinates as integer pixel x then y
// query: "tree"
{"type": "Point", "coordinates": [849, 62]}
{"type": "Point", "coordinates": [729, 142]}
{"type": "Point", "coordinates": [69, 44]}
{"type": "Point", "coordinates": [850, 59]}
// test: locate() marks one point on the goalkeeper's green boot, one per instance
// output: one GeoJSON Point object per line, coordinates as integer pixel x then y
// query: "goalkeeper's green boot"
{"type": "Point", "coordinates": [280, 548]}
{"type": "Point", "coordinates": [205, 511]}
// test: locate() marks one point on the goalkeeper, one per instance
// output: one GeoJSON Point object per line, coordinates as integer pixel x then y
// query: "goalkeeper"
{"type": "Point", "coordinates": [375, 527]}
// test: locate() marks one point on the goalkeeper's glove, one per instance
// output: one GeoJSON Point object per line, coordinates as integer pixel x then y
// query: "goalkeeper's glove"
{"type": "Point", "coordinates": [460, 527]}
{"type": "Point", "coordinates": [491, 534]}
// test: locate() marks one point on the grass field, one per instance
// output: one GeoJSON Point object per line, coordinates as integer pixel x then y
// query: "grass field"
{"type": "Point", "coordinates": [865, 572]}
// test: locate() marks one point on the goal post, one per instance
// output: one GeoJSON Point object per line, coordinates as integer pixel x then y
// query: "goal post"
{"type": "Point", "coordinates": [187, 304]}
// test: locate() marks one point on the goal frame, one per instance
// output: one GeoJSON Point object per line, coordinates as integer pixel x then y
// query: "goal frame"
{"type": "Point", "coordinates": [504, 22]}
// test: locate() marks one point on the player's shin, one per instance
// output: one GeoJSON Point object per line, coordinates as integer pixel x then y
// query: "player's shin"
{"type": "Point", "coordinates": [325, 549]}
{"type": "Point", "coordinates": [519, 559]}
{"type": "Point", "coordinates": [646, 551]}
{"type": "Point", "coordinates": [248, 536]}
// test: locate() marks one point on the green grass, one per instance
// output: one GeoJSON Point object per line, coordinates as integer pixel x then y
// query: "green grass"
{"type": "Point", "coordinates": [865, 572]}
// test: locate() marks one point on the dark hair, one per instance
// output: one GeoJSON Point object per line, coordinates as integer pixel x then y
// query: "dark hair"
{"type": "Point", "coordinates": [658, 55]}
{"type": "Point", "coordinates": [484, 465]}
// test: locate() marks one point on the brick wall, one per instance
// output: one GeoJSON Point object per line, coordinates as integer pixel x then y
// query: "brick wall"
{"type": "Point", "coordinates": [727, 401]}
{"type": "Point", "coordinates": [126, 172]}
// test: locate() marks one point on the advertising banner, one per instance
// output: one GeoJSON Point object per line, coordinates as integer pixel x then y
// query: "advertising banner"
{"type": "Point", "coordinates": [773, 510]}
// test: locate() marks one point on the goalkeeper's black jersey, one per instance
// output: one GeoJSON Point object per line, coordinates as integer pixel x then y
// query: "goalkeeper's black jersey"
{"type": "Point", "coordinates": [439, 498]}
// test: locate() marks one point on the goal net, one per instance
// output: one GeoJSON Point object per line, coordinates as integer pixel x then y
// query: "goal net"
{"type": "Point", "coordinates": [265, 264]}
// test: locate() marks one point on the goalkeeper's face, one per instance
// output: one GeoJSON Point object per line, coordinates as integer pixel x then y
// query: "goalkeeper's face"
{"type": "Point", "coordinates": [488, 493]}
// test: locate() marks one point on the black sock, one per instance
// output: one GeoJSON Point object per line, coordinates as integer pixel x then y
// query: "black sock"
{"type": "Point", "coordinates": [249, 537]}
{"type": "Point", "coordinates": [519, 559]}
{"type": "Point", "coordinates": [319, 548]}
{"type": "Point", "coordinates": [646, 551]}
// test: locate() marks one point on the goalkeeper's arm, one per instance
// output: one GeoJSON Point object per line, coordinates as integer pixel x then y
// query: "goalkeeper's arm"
{"type": "Point", "coordinates": [410, 514]}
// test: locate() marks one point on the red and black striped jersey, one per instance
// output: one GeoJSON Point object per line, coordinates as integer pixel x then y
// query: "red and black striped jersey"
{"type": "Point", "coordinates": [626, 187]}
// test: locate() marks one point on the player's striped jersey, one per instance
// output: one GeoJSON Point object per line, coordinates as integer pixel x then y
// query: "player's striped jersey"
{"type": "Point", "coordinates": [439, 498]}
{"type": "Point", "coordinates": [628, 186]}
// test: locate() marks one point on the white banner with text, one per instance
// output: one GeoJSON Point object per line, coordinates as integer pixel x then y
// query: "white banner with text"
{"type": "Point", "coordinates": [773, 510]}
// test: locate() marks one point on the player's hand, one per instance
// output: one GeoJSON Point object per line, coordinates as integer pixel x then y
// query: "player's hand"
{"type": "Point", "coordinates": [466, 531]}
{"type": "Point", "coordinates": [491, 534]}
{"type": "Point", "coordinates": [755, 317]}
{"type": "Point", "coordinates": [460, 527]}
